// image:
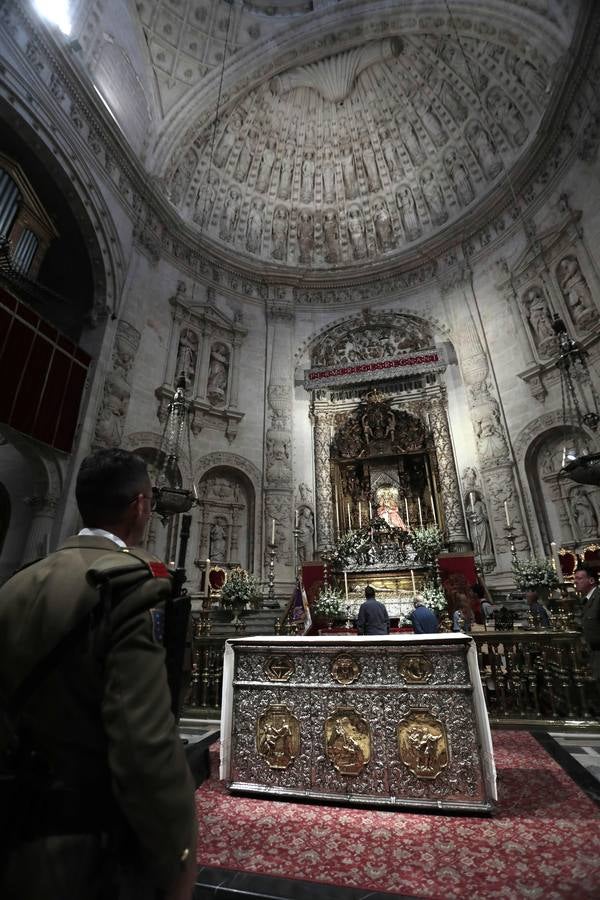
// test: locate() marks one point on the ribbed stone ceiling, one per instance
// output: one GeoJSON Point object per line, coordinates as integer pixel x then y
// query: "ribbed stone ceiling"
{"type": "Point", "coordinates": [364, 154]}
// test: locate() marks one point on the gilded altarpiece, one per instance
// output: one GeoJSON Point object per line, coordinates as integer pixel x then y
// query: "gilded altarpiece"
{"type": "Point", "coordinates": [396, 721]}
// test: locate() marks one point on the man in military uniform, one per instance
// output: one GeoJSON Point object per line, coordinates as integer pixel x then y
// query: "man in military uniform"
{"type": "Point", "coordinates": [586, 584]}
{"type": "Point", "coordinates": [111, 812]}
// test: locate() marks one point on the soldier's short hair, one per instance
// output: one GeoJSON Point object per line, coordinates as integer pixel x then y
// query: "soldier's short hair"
{"type": "Point", "coordinates": [369, 591]}
{"type": "Point", "coordinates": [590, 571]}
{"type": "Point", "coordinates": [107, 482]}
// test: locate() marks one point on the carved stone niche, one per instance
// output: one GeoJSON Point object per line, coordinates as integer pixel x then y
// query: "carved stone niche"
{"type": "Point", "coordinates": [204, 346]}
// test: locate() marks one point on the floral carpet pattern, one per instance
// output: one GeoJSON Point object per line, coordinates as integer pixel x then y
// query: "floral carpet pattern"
{"type": "Point", "coordinates": [543, 840]}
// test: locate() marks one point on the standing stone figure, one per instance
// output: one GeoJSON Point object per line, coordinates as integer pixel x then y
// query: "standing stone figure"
{"type": "Point", "coordinates": [484, 150]}
{"type": "Point", "coordinates": [307, 188]}
{"type": "Point", "coordinates": [459, 177]}
{"type": "Point", "coordinates": [229, 216]}
{"type": "Point", "coordinates": [328, 176]}
{"type": "Point", "coordinates": [383, 225]}
{"type": "Point", "coordinates": [408, 213]}
{"type": "Point", "coordinates": [370, 165]}
{"type": "Point", "coordinates": [331, 236]}
{"type": "Point", "coordinates": [218, 374]}
{"type": "Point", "coordinates": [279, 232]}
{"type": "Point", "coordinates": [433, 197]}
{"type": "Point", "coordinates": [266, 167]}
{"type": "Point", "coordinates": [575, 290]}
{"type": "Point", "coordinates": [285, 173]}
{"type": "Point", "coordinates": [254, 226]}
{"type": "Point", "coordinates": [305, 236]}
{"type": "Point", "coordinates": [349, 172]}
{"type": "Point", "coordinates": [356, 232]}
{"type": "Point", "coordinates": [539, 320]}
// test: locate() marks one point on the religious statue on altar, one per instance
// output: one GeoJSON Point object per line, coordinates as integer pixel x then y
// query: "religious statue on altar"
{"type": "Point", "coordinates": [387, 506]}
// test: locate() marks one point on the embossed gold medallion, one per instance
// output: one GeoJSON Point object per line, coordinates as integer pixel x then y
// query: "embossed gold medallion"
{"type": "Point", "coordinates": [423, 744]}
{"type": "Point", "coordinates": [278, 736]}
{"type": "Point", "coordinates": [345, 669]}
{"type": "Point", "coordinates": [415, 667]}
{"type": "Point", "coordinates": [279, 668]}
{"type": "Point", "coordinates": [347, 741]}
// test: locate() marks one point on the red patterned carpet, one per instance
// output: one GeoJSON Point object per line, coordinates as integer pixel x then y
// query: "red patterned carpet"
{"type": "Point", "coordinates": [543, 841]}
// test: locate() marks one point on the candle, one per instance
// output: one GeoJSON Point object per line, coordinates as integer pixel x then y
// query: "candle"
{"type": "Point", "coordinates": [433, 511]}
{"type": "Point", "coordinates": [412, 578]}
{"type": "Point", "coordinates": [337, 510]}
{"type": "Point", "coordinates": [472, 499]}
{"type": "Point", "coordinates": [296, 519]}
{"type": "Point", "coordinates": [506, 514]}
{"type": "Point", "coordinates": [370, 511]}
{"type": "Point", "coordinates": [420, 513]}
{"type": "Point", "coordinates": [346, 585]}
{"type": "Point", "coordinates": [556, 560]}
{"type": "Point", "coordinates": [272, 531]}
{"type": "Point", "coordinates": [359, 515]}
{"type": "Point", "coordinates": [407, 515]}
{"type": "Point", "coordinates": [349, 519]}
{"type": "Point", "coordinates": [206, 581]}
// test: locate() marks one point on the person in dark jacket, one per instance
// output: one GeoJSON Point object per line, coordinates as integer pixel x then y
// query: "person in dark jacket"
{"type": "Point", "coordinates": [373, 616]}
{"type": "Point", "coordinates": [424, 620]}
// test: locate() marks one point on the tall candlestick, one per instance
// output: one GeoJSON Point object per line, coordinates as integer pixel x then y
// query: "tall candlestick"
{"type": "Point", "coordinates": [349, 519]}
{"type": "Point", "coordinates": [556, 560]}
{"type": "Point", "coordinates": [206, 574]}
{"type": "Point", "coordinates": [407, 515]}
{"type": "Point", "coordinates": [370, 511]}
{"type": "Point", "coordinates": [420, 513]}
{"type": "Point", "coordinates": [433, 511]}
{"type": "Point", "coordinates": [412, 578]}
{"type": "Point", "coordinates": [346, 585]}
{"type": "Point", "coordinates": [506, 513]}
{"type": "Point", "coordinates": [359, 515]}
{"type": "Point", "coordinates": [272, 531]}
{"type": "Point", "coordinates": [337, 511]}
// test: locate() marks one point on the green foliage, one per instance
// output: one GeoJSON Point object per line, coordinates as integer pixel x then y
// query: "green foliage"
{"type": "Point", "coordinates": [349, 545]}
{"type": "Point", "coordinates": [533, 573]}
{"type": "Point", "coordinates": [330, 605]}
{"type": "Point", "coordinates": [428, 543]}
{"type": "Point", "coordinates": [239, 590]}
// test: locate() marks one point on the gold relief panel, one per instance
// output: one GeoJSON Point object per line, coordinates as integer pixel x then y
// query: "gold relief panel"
{"type": "Point", "coordinates": [345, 669]}
{"type": "Point", "coordinates": [278, 736]}
{"type": "Point", "coordinates": [279, 668]}
{"type": "Point", "coordinates": [415, 667]}
{"type": "Point", "coordinates": [347, 741]}
{"type": "Point", "coordinates": [423, 744]}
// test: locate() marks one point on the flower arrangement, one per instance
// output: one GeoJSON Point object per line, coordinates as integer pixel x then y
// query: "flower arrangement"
{"type": "Point", "coordinates": [349, 545]}
{"type": "Point", "coordinates": [330, 604]}
{"type": "Point", "coordinates": [239, 590]}
{"type": "Point", "coordinates": [427, 543]}
{"type": "Point", "coordinates": [534, 573]}
{"type": "Point", "coordinates": [433, 597]}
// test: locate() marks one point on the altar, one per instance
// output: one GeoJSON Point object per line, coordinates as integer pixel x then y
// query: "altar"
{"type": "Point", "coordinates": [395, 720]}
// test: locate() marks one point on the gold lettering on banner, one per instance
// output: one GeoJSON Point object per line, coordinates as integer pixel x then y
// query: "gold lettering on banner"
{"type": "Point", "coordinates": [345, 669]}
{"type": "Point", "coordinates": [278, 736]}
{"type": "Point", "coordinates": [347, 741]}
{"type": "Point", "coordinates": [423, 744]}
{"type": "Point", "coordinates": [279, 668]}
{"type": "Point", "coordinates": [415, 668]}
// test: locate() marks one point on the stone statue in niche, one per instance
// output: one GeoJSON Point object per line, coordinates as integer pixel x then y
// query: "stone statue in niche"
{"type": "Point", "coordinates": [525, 73]}
{"type": "Point", "coordinates": [187, 355]}
{"type": "Point", "coordinates": [480, 522]}
{"type": "Point", "coordinates": [307, 184]}
{"type": "Point", "coordinates": [539, 320]}
{"type": "Point", "coordinates": [227, 140]}
{"type": "Point", "coordinates": [279, 233]}
{"type": "Point", "coordinates": [218, 374]}
{"type": "Point", "coordinates": [254, 226]}
{"type": "Point", "coordinates": [205, 199]}
{"type": "Point", "coordinates": [459, 177]}
{"type": "Point", "coordinates": [305, 493]}
{"type": "Point", "coordinates": [434, 126]}
{"type": "Point", "coordinates": [370, 164]}
{"type": "Point", "coordinates": [453, 102]}
{"type": "Point", "coordinates": [306, 531]}
{"type": "Point", "coordinates": [390, 154]}
{"type": "Point", "coordinates": [356, 231]}
{"type": "Point", "coordinates": [218, 542]}
{"type": "Point", "coordinates": [331, 236]}
{"type": "Point", "coordinates": [305, 236]}
{"type": "Point", "coordinates": [490, 439]}
{"type": "Point", "coordinates": [245, 158]}
{"type": "Point", "coordinates": [454, 57]}
{"type": "Point", "coordinates": [484, 150]}
{"type": "Point", "coordinates": [433, 197]}
{"type": "Point", "coordinates": [230, 214]}
{"type": "Point", "coordinates": [413, 145]}
{"type": "Point", "coordinates": [111, 421]}
{"type": "Point", "coordinates": [507, 115]}
{"type": "Point", "coordinates": [575, 290]}
{"type": "Point", "coordinates": [286, 172]}
{"type": "Point", "coordinates": [349, 172]}
{"type": "Point", "coordinates": [278, 456]}
{"type": "Point", "coordinates": [266, 167]}
{"type": "Point", "coordinates": [328, 176]}
{"type": "Point", "coordinates": [383, 225]}
{"type": "Point", "coordinates": [408, 213]}
{"type": "Point", "coordinates": [583, 512]}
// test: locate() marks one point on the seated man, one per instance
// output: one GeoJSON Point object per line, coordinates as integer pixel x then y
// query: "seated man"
{"type": "Point", "coordinates": [372, 616]}
{"type": "Point", "coordinates": [538, 612]}
{"type": "Point", "coordinates": [424, 620]}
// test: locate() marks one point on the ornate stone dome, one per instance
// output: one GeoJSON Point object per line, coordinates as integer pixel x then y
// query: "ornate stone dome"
{"type": "Point", "coordinates": [361, 156]}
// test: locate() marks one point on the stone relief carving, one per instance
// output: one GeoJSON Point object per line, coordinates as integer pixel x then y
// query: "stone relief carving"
{"type": "Point", "coordinates": [459, 177]}
{"type": "Point", "coordinates": [278, 456]}
{"type": "Point", "coordinates": [266, 166]}
{"type": "Point", "coordinates": [349, 172]}
{"type": "Point", "coordinates": [507, 115]}
{"type": "Point", "coordinates": [356, 232]}
{"type": "Point", "coordinates": [489, 432]}
{"type": "Point", "coordinates": [217, 549]}
{"type": "Point", "coordinates": [453, 102]}
{"type": "Point", "coordinates": [286, 171]}
{"type": "Point", "coordinates": [583, 513]}
{"type": "Point", "coordinates": [117, 388]}
{"type": "Point", "coordinates": [206, 199]}
{"type": "Point", "coordinates": [384, 335]}
{"type": "Point", "coordinates": [433, 125]}
{"type": "Point", "coordinates": [370, 164]}
{"type": "Point", "coordinates": [390, 154]}
{"type": "Point", "coordinates": [305, 236]}
{"type": "Point", "coordinates": [331, 235]}
{"type": "Point", "coordinates": [254, 226]}
{"type": "Point", "coordinates": [408, 213]}
{"type": "Point", "coordinates": [483, 148]}
{"type": "Point", "coordinates": [307, 185]}
{"type": "Point", "coordinates": [229, 216]}
{"type": "Point", "coordinates": [575, 290]}
{"type": "Point", "coordinates": [538, 315]}
{"type": "Point", "coordinates": [412, 142]}
{"type": "Point", "coordinates": [433, 197]}
{"type": "Point", "coordinates": [328, 175]}
{"type": "Point", "coordinates": [218, 374]}
{"type": "Point", "coordinates": [247, 146]}
{"type": "Point", "coordinates": [383, 225]}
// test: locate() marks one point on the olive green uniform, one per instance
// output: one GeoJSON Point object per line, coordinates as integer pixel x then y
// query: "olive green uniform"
{"type": "Point", "coordinates": [101, 718]}
{"type": "Point", "coordinates": [590, 623]}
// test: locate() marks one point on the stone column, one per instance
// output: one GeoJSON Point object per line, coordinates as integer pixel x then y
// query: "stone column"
{"type": "Point", "coordinates": [323, 499]}
{"type": "Point", "coordinates": [42, 521]}
{"type": "Point", "coordinates": [449, 487]}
